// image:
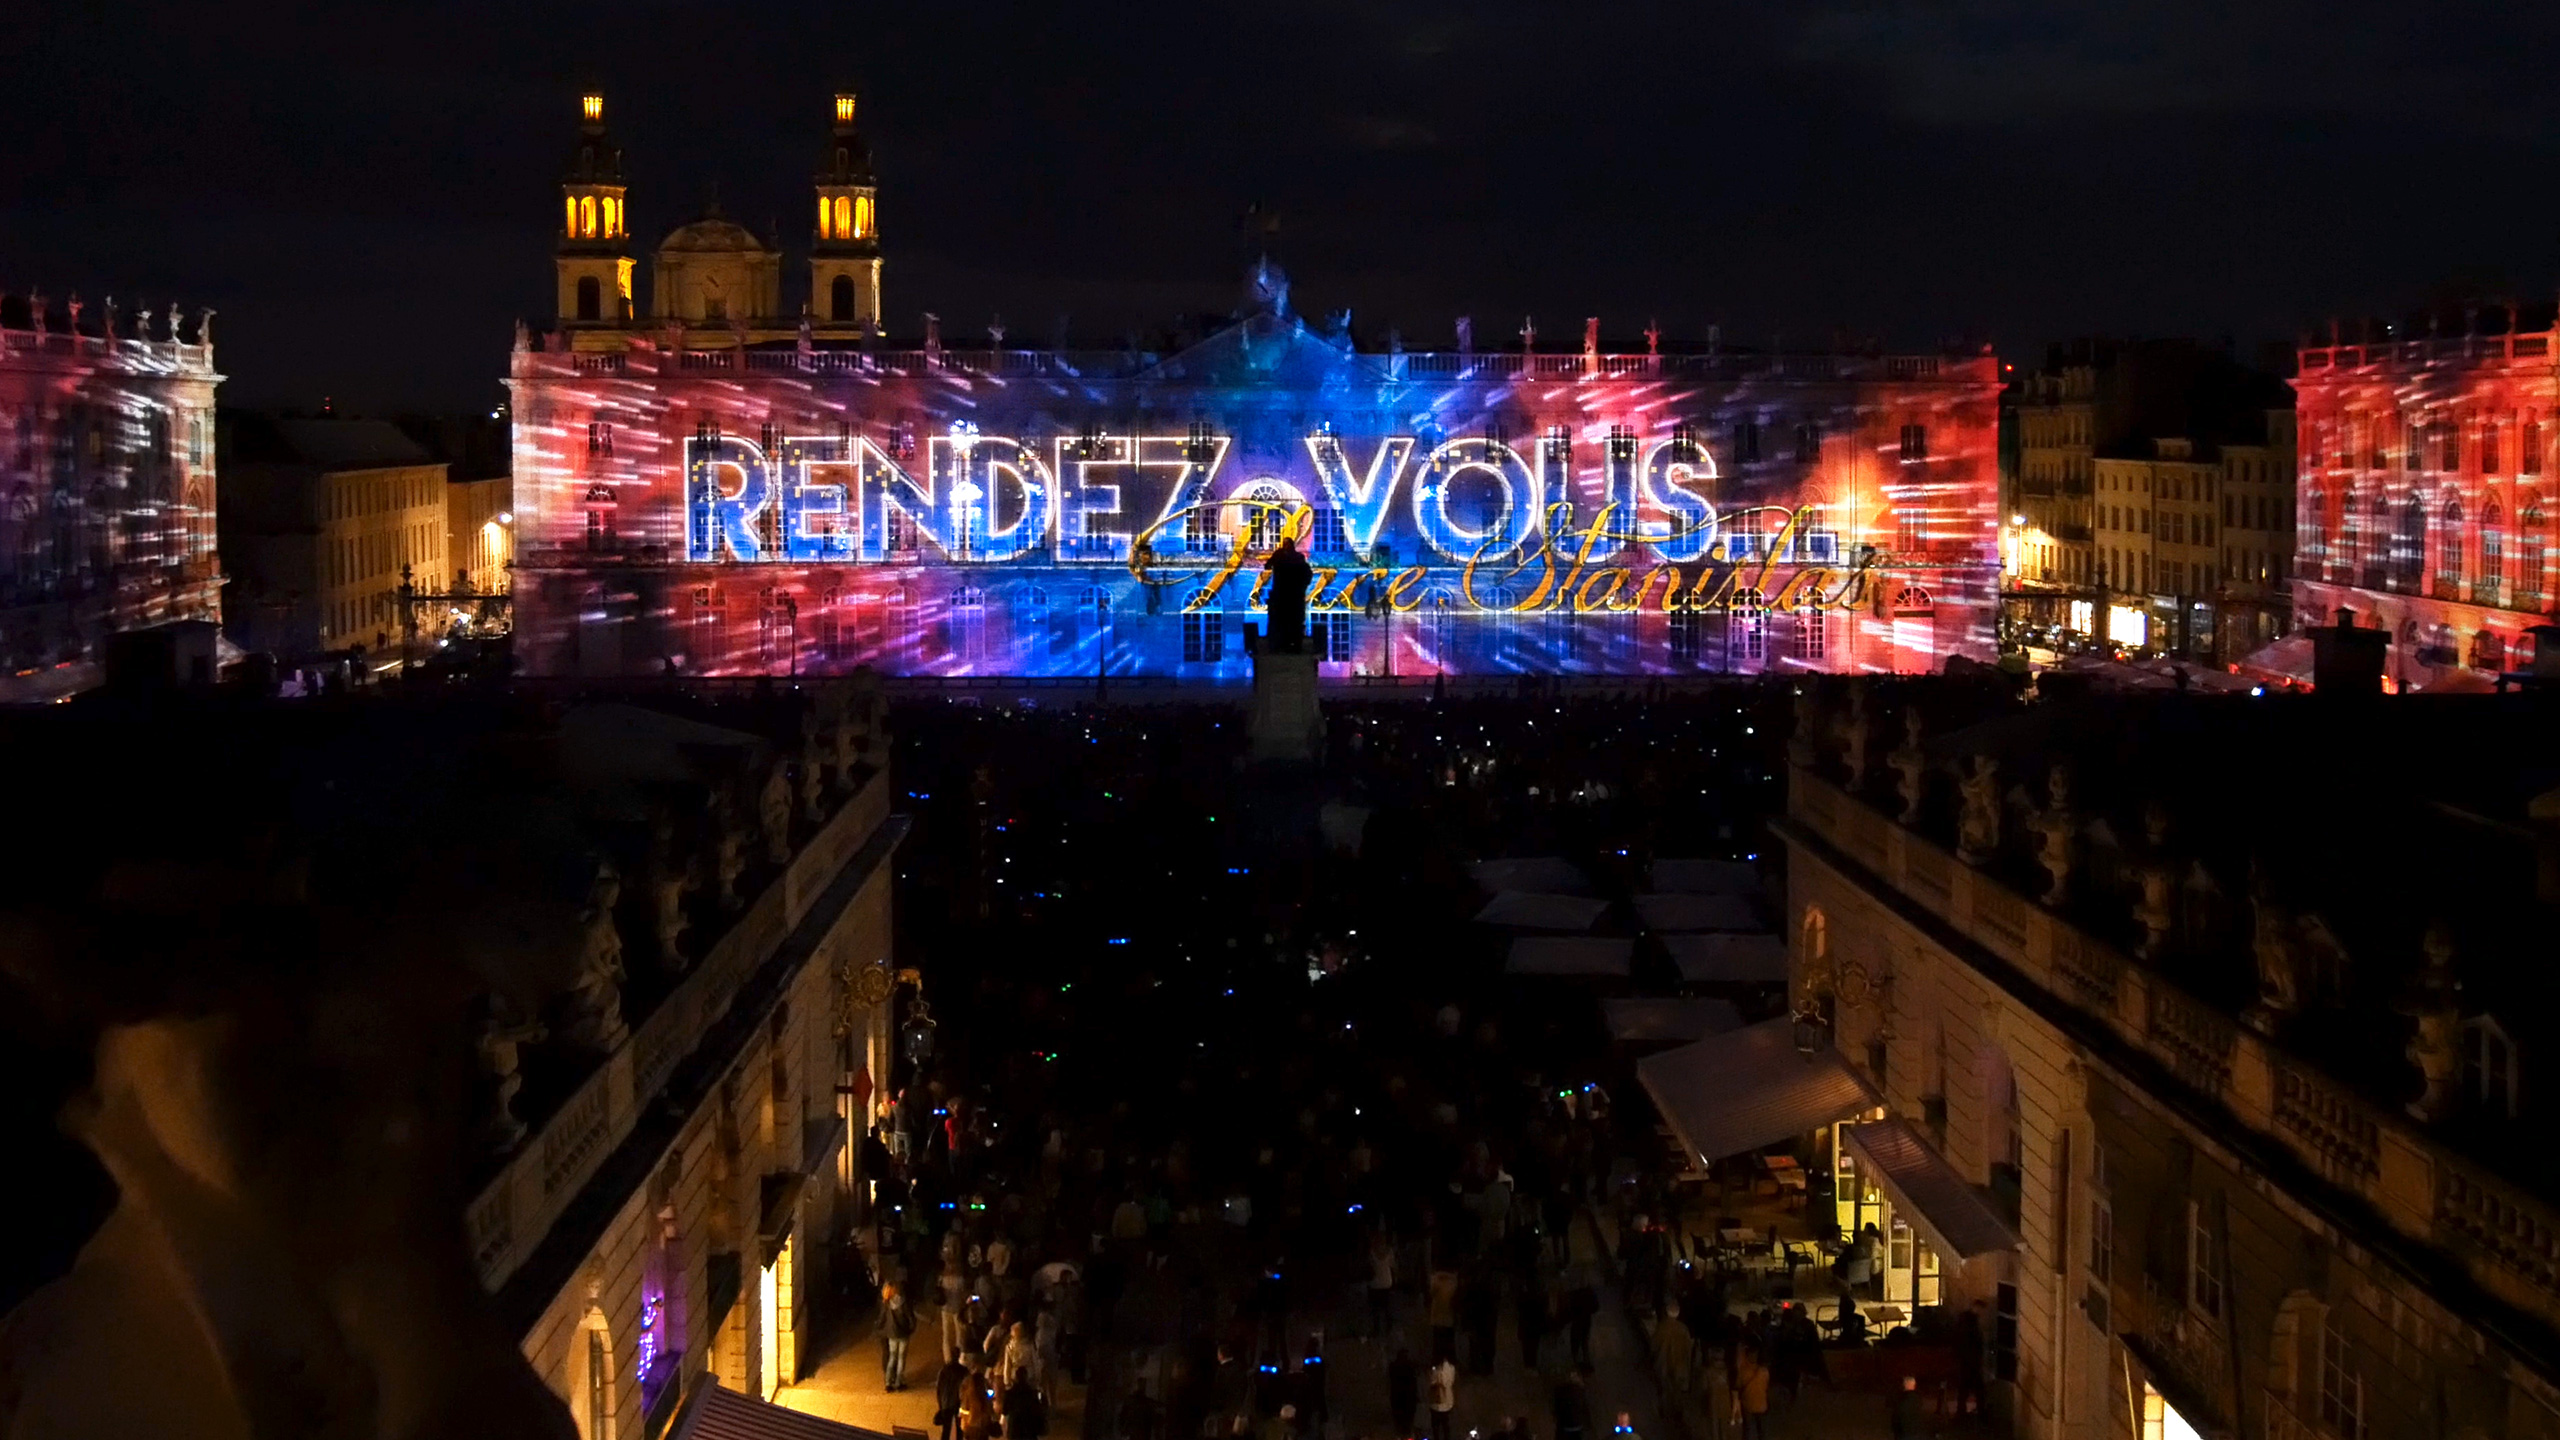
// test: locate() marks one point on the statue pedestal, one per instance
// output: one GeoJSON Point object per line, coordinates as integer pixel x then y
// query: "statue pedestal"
{"type": "Point", "coordinates": [1286, 723]}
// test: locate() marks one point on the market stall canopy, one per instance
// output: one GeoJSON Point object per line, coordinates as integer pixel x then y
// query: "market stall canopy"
{"type": "Point", "coordinates": [1668, 1019]}
{"type": "Point", "coordinates": [715, 1412]}
{"type": "Point", "coordinates": [1729, 1094]}
{"type": "Point", "coordinates": [1728, 959]}
{"type": "Point", "coordinates": [1533, 910]}
{"type": "Point", "coordinates": [1931, 1195]}
{"type": "Point", "coordinates": [2286, 659]}
{"type": "Point", "coordinates": [1576, 955]}
{"type": "Point", "coordinates": [1705, 877]}
{"type": "Point", "coordinates": [1698, 912]}
{"type": "Point", "coordinates": [1552, 874]}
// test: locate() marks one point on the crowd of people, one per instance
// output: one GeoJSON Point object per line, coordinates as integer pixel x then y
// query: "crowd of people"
{"type": "Point", "coordinates": [1218, 1101]}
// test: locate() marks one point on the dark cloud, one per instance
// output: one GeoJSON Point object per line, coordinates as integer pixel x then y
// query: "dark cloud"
{"type": "Point", "coordinates": [365, 191]}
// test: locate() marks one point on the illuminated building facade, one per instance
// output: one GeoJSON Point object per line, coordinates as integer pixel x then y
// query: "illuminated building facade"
{"type": "Point", "coordinates": [2153, 498]}
{"type": "Point", "coordinates": [106, 483]}
{"type": "Point", "coordinates": [2425, 506]}
{"type": "Point", "coordinates": [718, 490]}
{"type": "Point", "coordinates": [322, 519]}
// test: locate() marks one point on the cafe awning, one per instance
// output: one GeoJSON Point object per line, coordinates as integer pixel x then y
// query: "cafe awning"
{"type": "Point", "coordinates": [1957, 1222]}
{"type": "Point", "coordinates": [715, 1412]}
{"type": "Point", "coordinates": [1656, 1020]}
{"type": "Point", "coordinates": [1728, 959]}
{"type": "Point", "coordinates": [1578, 956]}
{"type": "Point", "coordinates": [1533, 910]}
{"type": "Point", "coordinates": [1699, 912]}
{"type": "Point", "coordinates": [1728, 1094]}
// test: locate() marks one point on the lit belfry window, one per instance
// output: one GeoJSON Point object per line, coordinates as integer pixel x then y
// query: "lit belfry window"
{"type": "Point", "coordinates": [587, 216]}
{"type": "Point", "coordinates": [591, 106]}
{"type": "Point", "coordinates": [844, 109]}
{"type": "Point", "coordinates": [861, 216]}
{"type": "Point", "coordinates": [572, 221]}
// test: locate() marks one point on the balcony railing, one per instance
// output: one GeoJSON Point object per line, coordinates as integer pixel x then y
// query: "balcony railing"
{"type": "Point", "coordinates": [2507, 1239]}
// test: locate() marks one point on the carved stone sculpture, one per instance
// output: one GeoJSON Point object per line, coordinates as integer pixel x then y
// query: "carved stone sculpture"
{"type": "Point", "coordinates": [2157, 911]}
{"type": "Point", "coordinates": [595, 995]}
{"type": "Point", "coordinates": [728, 848]}
{"type": "Point", "coordinates": [2275, 941]}
{"type": "Point", "coordinates": [811, 771]}
{"type": "Point", "coordinates": [670, 877]}
{"type": "Point", "coordinates": [1910, 766]}
{"type": "Point", "coordinates": [1801, 750]}
{"type": "Point", "coordinates": [1978, 824]}
{"type": "Point", "coordinates": [1856, 725]}
{"type": "Point", "coordinates": [773, 812]}
{"type": "Point", "coordinates": [2434, 1001]}
{"type": "Point", "coordinates": [504, 1032]}
{"type": "Point", "coordinates": [2056, 828]}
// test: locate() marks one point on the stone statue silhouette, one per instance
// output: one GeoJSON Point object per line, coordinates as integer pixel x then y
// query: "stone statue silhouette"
{"type": "Point", "coordinates": [1290, 575]}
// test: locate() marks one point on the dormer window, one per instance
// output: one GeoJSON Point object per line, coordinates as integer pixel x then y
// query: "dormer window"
{"type": "Point", "coordinates": [2489, 1066]}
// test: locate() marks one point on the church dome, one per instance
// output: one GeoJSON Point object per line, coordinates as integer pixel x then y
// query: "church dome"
{"type": "Point", "coordinates": [711, 233]}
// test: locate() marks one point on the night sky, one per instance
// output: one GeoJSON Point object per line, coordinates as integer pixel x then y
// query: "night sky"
{"type": "Point", "coordinates": [366, 193]}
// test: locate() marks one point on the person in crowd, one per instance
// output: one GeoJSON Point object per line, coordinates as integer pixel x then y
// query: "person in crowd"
{"type": "Point", "coordinates": [1404, 1391]}
{"type": "Point", "coordinates": [1674, 1353]}
{"type": "Point", "coordinates": [1442, 1308]}
{"type": "Point", "coordinates": [1751, 1394]}
{"type": "Point", "coordinates": [1971, 1359]}
{"type": "Point", "coordinates": [948, 1386]}
{"type": "Point", "coordinates": [1444, 1397]}
{"type": "Point", "coordinates": [1382, 1282]}
{"type": "Point", "coordinates": [897, 1326]}
{"type": "Point", "coordinates": [1570, 1403]}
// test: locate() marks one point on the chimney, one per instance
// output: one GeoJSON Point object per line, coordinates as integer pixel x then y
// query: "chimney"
{"type": "Point", "coordinates": [2346, 659]}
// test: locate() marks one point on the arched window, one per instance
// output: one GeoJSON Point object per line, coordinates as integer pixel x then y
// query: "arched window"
{"type": "Point", "coordinates": [591, 1378]}
{"type": "Point", "coordinates": [1440, 623]}
{"type": "Point", "coordinates": [1682, 626]}
{"type": "Point", "coordinates": [777, 627]}
{"type": "Point", "coordinates": [969, 625]}
{"type": "Point", "coordinates": [2449, 555]}
{"type": "Point", "coordinates": [2409, 546]}
{"type": "Point", "coordinates": [2490, 588]}
{"type": "Point", "coordinates": [2529, 558]}
{"type": "Point", "coordinates": [1747, 627]}
{"type": "Point", "coordinates": [840, 299]}
{"type": "Point", "coordinates": [1262, 523]}
{"type": "Point", "coordinates": [1815, 948]}
{"type": "Point", "coordinates": [1813, 638]}
{"type": "Point", "coordinates": [707, 642]}
{"type": "Point", "coordinates": [1055, 630]}
{"type": "Point", "coordinates": [1912, 602]}
{"type": "Point", "coordinates": [844, 219]}
{"type": "Point", "coordinates": [590, 298]}
{"type": "Point", "coordinates": [1204, 635]}
{"type": "Point", "coordinates": [830, 626]}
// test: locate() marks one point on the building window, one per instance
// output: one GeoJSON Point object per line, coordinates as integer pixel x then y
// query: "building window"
{"type": "Point", "coordinates": [1747, 627]}
{"type": "Point", "coordinates": [2493, 555]}
{"type": "Point", "coordinates": [1746, 442]}
{"type": "Point", "coordinates": [1915, 443]}
{"type": "Point", "coordinates": [830, 626]}
{"type": "Point", "coordinates": [1682, 625]}
{"type": "Point", "coordinates": [2204, 1262]}
{"type": "Point", "coordinates": [1333, 634]}
{"type": "Point", "coordinates": [590, 298]}
{"type": "Point", "coordinates": [2529, 558]}
{"type": "Point", "coordinates": [2529, 449]}
{"type": "Point", "coordinates": [1204, 636]}
{"type": "Point", "coordinates": [1910, 532]}
{"type": "Point", "coordinates": [2341, 1385]}
{"type": "Point", "coordinates": [2489, 456]}
{"type": "Point", "coordinates": [840, 299]}
{"type": "Point", "coordinates": [705, 642]}
{"type": "Point", "coordinates": [1812, 631]}
{"type": "Point", "coordinates": [2448, 447]}
{"type": "Point", "coordinates": [2449, 550]}
{"type": "Point", "coordinates": [1808, 442]}
{"type": "Point", "coordinates": [2409, 546]}
{"type": "Point", "coordinates": [1327, 537]}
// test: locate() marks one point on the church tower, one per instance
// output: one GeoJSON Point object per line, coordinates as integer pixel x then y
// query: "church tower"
{"type": "Point", "coordinates": [844, 258]}
{"type": "Point", "coordinates": [595, 274]}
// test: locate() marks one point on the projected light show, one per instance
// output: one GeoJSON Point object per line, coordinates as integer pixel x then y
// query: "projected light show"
{"type": "Point", "coordinates": [792, 510]}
